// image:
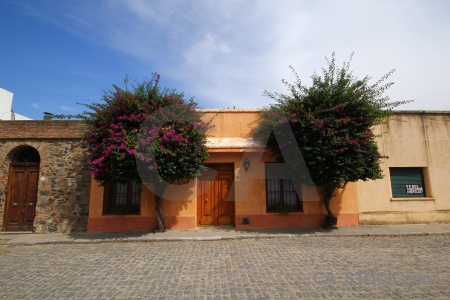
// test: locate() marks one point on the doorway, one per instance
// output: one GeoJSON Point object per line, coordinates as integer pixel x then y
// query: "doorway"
{"type": "Point", "coordinates": [215, 197]}
{"type": "Point", "coordinates": [21, 194]}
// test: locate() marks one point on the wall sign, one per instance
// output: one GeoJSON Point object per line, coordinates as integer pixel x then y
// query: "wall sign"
{"type": "Point", "coordinates": [414, 189]}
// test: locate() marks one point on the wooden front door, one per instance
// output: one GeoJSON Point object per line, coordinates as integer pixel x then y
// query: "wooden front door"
{"type": "Point", "coordinates": [21, 197]}
{"type": "Point", "coordinates": [215, 198]}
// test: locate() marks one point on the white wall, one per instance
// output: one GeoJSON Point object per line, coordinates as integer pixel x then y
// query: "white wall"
{"type": "Point", "coordinates": [6, 107]}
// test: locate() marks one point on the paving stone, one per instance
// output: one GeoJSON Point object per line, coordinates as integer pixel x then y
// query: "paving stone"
{"type": "Point", "coordinates": [413, 267]}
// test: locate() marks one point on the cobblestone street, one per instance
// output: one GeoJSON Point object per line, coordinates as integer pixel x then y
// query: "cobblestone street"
{"type": "Point", "coordinates": [411, 267]}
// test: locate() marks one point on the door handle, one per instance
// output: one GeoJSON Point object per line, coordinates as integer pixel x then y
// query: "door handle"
{"type": "Point", "coordinates": [206, 200]}
{"type": "Point", "coordinates": [14, 204]}
{"type": "Point", "coordinates": [31, 203]}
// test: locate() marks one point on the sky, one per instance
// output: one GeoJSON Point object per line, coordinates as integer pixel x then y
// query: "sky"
{"type": "Point", "coordinates": [56, 54]}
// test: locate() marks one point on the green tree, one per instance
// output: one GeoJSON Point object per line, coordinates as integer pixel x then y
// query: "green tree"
{"type": "Point", "coordinates": [332, 122]}
{"type": "Point", "coordinates": [148, 127]}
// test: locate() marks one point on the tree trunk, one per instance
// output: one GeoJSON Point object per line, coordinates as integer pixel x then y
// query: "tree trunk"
{"type": "Point", "coordinates": [330, 219]}
{"type": "Point", "coordinates": [159, 211]}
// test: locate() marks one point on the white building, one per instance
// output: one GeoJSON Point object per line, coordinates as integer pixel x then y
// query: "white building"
{"type": "Point", "coordinates": [6, 112]}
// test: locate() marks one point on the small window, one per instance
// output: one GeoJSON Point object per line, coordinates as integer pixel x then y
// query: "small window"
{"type": "Point", "coordinates": [122, 198]}
{"type": "Point", "coordinates": [281, 194]}
{"type": "Point", "coordinates": [407, 182]}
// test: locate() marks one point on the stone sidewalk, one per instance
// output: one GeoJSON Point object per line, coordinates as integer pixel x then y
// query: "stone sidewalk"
{"type": "Point", "coordinates": [220, 233]}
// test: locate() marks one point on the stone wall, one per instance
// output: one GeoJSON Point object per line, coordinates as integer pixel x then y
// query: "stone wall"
{"type": "Point", "coordinates": [64, 182]}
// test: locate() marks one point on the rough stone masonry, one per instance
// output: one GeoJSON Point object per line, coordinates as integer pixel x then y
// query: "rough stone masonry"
{"type": "Point", "coordinates": [64, 181]}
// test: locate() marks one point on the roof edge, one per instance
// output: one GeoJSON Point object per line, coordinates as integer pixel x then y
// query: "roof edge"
{"type": "Point", "coordinates": [421, 111]}
{"type": "Point", "coordinates": [237, 110]}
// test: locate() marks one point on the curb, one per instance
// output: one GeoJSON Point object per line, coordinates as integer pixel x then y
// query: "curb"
{"type": "Point", "coordinates": [216, 238]}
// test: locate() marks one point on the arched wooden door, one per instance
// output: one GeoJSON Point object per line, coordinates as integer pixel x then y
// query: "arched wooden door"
{"type": "Point", "coordinates": [22, 191]}
{"type": "Point", "coordinates": [215, 198]}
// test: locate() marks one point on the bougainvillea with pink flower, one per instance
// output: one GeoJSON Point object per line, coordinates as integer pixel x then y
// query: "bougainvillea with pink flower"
{"type": "Point", "coordinates": [114, 127]}
{"type": "Point", "coordinates": [332, 122]}
{"type": "Point", "coordinates": [173, 144]}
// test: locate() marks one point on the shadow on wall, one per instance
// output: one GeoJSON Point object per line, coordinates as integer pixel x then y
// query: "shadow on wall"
{"type": "Point", "coordinates": [179, 206]}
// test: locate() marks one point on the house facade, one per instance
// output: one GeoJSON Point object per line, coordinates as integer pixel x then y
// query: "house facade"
{"type": "Point", "coordinates": [417, 173]}
{"type": "Point", "coordinates": [44, 182]}
{"type": "Point", "coordinates": [230, 193]}
{"type": "Point", "coordinates": [43, 163]}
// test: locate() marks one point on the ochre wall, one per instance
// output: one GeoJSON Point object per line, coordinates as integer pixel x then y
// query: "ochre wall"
{"type": "Point", "coordinates": [180, 206]}
{"type": "Point", "coordinates": [410, 140]}
{"type": "Point", "coordinates": [231, 131]}
{"type": "Point", "coordinates": [179, 213]}
{"type": "Point", "coordinates": [99, 222]}
{"type": "Point", "coordinates": [231, 123]}
{"type": "Point", "coordinates": [250, 193]}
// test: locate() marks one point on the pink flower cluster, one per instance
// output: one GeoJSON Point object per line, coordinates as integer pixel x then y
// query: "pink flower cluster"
{"type": "Point", "coordinates": [172, 136]}
{"type": "Point", "coordinates": [345, 119]}
{"type": "Point", "coordinates": [133, 118]}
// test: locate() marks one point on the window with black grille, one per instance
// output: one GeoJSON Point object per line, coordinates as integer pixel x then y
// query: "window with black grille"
{"type": "Point", "coordinates": [281, 194]}
{"type": "Point", "coordinates": [122, 198]}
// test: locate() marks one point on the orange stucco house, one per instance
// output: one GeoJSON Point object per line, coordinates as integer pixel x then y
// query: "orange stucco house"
{"type": "Point", "coordinates": [236, 190]}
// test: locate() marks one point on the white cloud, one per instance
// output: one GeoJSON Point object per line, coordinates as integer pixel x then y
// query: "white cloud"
{"type": "Point", "coordinates": [66, 108]}
{"type": "Point", "coordinates": [227, 52]}
{"type": "Point", "coordinates": [205, 50]}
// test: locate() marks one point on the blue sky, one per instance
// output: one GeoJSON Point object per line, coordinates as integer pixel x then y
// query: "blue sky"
{"type": "Point", "coordinates": [225, 53]}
